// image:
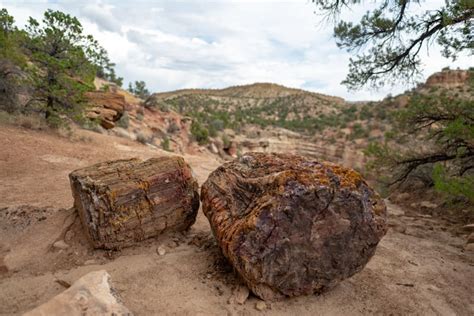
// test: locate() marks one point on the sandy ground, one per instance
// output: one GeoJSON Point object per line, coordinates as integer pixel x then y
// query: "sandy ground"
{"type": "Point", "coordinates": [419, 267]}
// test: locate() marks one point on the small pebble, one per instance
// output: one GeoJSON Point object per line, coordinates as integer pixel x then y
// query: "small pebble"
{"type": "Point", "coordinates": [260, 306]}
{"type": "Point", "coordinates": [161, 251]}
{"type": "Point", "coordinates": [60, 244]}
{"type": "Point", "coordinates": [90, 262]}
{"type": "Point", "coordinates": [240, 295]}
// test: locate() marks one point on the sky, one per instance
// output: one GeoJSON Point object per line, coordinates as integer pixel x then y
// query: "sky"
{"type": "Point", "coordinates": [214, 44]}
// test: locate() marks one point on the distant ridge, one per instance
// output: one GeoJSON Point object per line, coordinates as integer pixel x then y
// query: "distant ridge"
{"type": "Point", "coordinates": [255, 90]}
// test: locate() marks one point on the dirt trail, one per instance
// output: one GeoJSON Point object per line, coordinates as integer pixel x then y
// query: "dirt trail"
{"type": "Point", "coordinates": [419, 267]}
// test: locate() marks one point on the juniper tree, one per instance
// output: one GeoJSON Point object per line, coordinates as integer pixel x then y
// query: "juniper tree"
{"type": "Point", "coordinates": [434, 133]}
{"type": "Point", "coordinates": [65, 62]}
{"type": "Point", "coordinates": [139, 89]}
{"type": "Point", "coordinates": [12, 60]}
{"type": "Point", "coordinates": [386, 43]}
{"type": "Point", "coordinates": [106, 69]}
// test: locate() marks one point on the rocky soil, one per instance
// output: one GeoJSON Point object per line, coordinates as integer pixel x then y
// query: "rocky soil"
{"type": "Point", "coordinates": [420, 266]}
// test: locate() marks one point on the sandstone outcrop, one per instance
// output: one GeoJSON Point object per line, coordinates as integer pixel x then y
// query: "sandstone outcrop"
{"type": "Point", "coordinates": [290, 225]}
{"type": "Point", "coordinates": [92, 294]}
{"type": "Point", "coordinates": [107, 107]}
{"type": "Point", "coordinates": [448, 79]}
{"type": "Point", "coordinates": [125, 201]}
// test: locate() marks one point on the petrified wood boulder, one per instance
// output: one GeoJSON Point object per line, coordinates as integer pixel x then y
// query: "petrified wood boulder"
{"type": "Point", "coordinates": [125, 201]}
{"type": "Point", "coordinates": [292, 226]}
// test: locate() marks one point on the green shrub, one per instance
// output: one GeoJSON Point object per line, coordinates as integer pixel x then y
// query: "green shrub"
{"type": "Point", "coordinates": [124, 121]}
{"type": "Point", "coordinates": [5, 117]}
{"type": "Point", "coordinates": [142, 138]}
{"type": "Point", "coordinates": [165, 144]}
{"type": "Point", "coordinates": [359, 132]}
{"type": "Point", "coordinates": [172, 128]}
{"type": "Point", "coordinates": [225, 141]}
{"type": "Point", "coordinates": [200, 133]}
{"type": "Point", "coordinates": [217, 124]}
{"type": "Point", "coordinates": [365, 113]}
{"type": "Point", "coordinates": [163, 107]}
{"type": "Point", "coordinates": [55, 121]}
{"type": "Point", "coordinates": [453, 185]}
{"type": "Point", "coordinates": [91, 125]}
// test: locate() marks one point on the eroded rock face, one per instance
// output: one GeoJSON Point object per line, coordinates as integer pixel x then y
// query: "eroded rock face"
{"type": "Point", "coordinates": [92, 294]}
{"type": "Point", "coordinates": [125, 201]}
{"type": "Point", "coordinates": [108, 107]}
{"type": "Point", "coordinates": [292, 226]}
{"type": "Point", "coordinates": [448, 79]}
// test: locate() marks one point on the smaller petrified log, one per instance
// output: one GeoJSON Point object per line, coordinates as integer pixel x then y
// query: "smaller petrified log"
{"type": "Point", "coordinates": [292, 226]}
{"type": "Point", "coordinates": [125, 201]}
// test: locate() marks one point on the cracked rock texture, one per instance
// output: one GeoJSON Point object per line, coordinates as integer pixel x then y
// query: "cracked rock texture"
{"type": "Point", "coordinates": [292, 226]}
{"type": "Point", "coordinates": [125, 201]}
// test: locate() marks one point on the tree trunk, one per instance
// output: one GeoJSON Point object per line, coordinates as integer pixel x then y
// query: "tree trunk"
{"type": "Point", "coordinates": [125, 201]}
{"type": "Point", "coordinates": [292, 226]}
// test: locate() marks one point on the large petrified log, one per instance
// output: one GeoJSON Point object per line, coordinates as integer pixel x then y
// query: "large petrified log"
{"type": "Point", "coordinates": [125, 201]}
{"type": "Point", "coordinates": [292, 226]}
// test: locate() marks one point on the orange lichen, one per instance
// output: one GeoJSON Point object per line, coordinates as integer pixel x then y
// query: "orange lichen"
{"type": "Point", "coordinates": [348, 177]}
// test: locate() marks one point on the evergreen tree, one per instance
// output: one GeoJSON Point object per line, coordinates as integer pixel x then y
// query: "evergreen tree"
{"type": "Point", "coordinates": [434, 133]}
{"type": "Point", "coordinates": [106, 69]}
{"type": "Point", "coordinates": [65, 64]}
{"type": "Point", "coordinates": [12, 60]}
{"type": "Point", "coordinates": [388, 40]}
{"type": "Point", "coordinates": [139, 89]}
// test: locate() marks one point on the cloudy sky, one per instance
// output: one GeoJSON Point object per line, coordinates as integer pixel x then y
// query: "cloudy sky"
{"type": "Point", "coordinates": [213, 44]}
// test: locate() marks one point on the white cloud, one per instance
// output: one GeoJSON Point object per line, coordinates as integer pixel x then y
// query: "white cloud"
{"type": "Point", "coordinates": [101, 15]}
{"type": "Point", "coordinates": [183, 44]}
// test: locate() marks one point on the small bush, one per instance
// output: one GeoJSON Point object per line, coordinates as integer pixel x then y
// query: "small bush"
{"type": "Point", "coordinates": [31, 121]}
{"type": "Point", "coordinates": [140, 116]}
{"type": "Point", "coordinates": [173, 128]}
{"type": "Point", "coordinates": [92, 125]}
{"type": "Point", "coordinates": [359, 132]}
{"type": "Point", "coordinates": [453, 185]}
{"type": "Point", "coordinates": [124, 121]}
{"type": "Point", "coordinates": [142, 138]}
{"type": "Point", "coordinates": [212, 131]}
{"type": "Point", "coordinates": [165, 144]}
{"type": "Point", "coordinates": [217, 124]}
{"type": "Point", "coordinates": [225, 141]}
{"type": "Point", "coordinates": [163, 107]}
{"type": "Point", "coordinates": [200, 133]}
{"type": "Point", "coordinates": [55, 121]}
{"type": "Point", "coordinates": [5, 117]}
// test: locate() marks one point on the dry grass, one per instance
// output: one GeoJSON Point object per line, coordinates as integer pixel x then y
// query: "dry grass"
{"type": "Point", "coordinates": [29, 121]}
